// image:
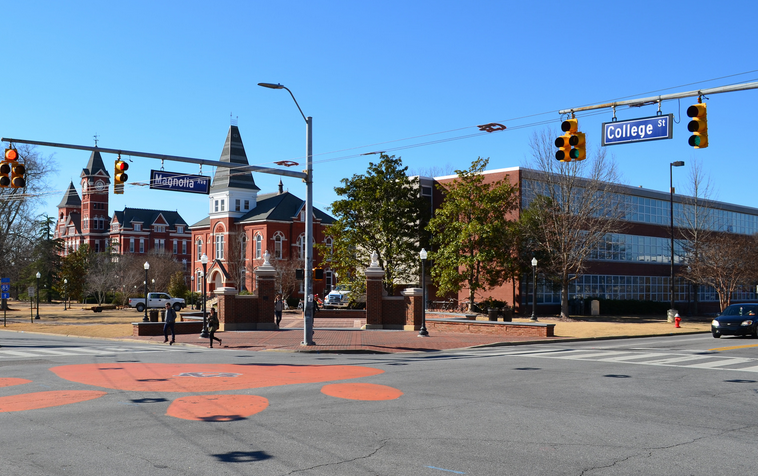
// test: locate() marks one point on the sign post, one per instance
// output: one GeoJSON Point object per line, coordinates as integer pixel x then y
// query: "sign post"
{"type": "Point", "coordinates": [5, 288]}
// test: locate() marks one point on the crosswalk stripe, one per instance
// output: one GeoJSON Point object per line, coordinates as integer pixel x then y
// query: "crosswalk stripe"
{"type": "Point", "coordinates": [719, 363]}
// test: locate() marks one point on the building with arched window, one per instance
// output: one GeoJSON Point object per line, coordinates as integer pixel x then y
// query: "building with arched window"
{"type": "Point", "coordinates": [243, 224]}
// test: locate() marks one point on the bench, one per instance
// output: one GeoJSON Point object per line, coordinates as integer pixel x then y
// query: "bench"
{"type": "Point", "coordinates": [521, 329]}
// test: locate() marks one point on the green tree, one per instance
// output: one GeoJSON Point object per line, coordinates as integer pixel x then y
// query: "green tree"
{"type": "Point", "coordinates": [47, 255]}
{"type": "Point", "coordinates": [473, 233]}
{"type": "Point", "coordinates": [177, 287]}
{"type": "Point", "coordinates": [382, 211]}
{"type": "Point", "coordinates": [75, 267]}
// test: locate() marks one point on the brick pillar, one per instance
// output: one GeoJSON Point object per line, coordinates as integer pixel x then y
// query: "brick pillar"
{"type": "Point", "coordinates": [374, 295]}
{"type": "Point", "coordinates": [414, 302]}
{"type": "Point", "coordinates": [226, 309]}
{"type": "Point", "coordinates": [265, 276]}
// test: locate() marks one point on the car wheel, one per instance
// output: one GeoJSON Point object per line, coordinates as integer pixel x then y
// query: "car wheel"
{"type": "Point", "coordinates": [177, 307]}
{"type": "Point", "coordinates": [716, 334]}
{"type": "Point", "coordinates": [140, 307]}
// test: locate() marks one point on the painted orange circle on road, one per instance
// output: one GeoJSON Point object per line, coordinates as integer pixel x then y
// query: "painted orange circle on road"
{"type": "Point", "coordinates": [34, 401]}
{"type": "Point", "coordinates": [361, 391]}
{"type": "Point", "coordinates": [216, 407]}
{"type": "Point", "coordinates": [9, 382]}
{"type": "Point", "coordinates": [191, 378]}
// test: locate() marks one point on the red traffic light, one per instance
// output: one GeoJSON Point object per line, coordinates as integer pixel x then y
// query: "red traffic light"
{"type": "Point", "coordinates": [11, 154]}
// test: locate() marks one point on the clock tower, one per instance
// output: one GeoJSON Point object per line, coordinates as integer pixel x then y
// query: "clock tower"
{"type": "Point", "coordinates": [95, 187]}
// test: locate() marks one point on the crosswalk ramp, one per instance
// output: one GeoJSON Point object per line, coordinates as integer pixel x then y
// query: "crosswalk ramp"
{"type": "Point", "coordinates": [694, 360]}
{"type": "Point", "coordinates": [27, 352]}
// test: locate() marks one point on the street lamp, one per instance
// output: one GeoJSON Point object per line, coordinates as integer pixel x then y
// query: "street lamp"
{"type": "Point", "coordinates": [534, 290]}
{"type": "Point", "coordinates": [678, 163]}
{"type": "Point", "coordinates": [146, 266]}
{"type": "Point", "coordinates": [37, 293]}
{"type": "Point", "coordinates": [192, 291]}
{"type": "Point", "coordinates": [423, 332]}
{"type": "Point", "coordinates": [65, 292]}
{"type": "Point", "coordinates": [308, 277]}
{"type": "Point", "coordinates": [204, 260]}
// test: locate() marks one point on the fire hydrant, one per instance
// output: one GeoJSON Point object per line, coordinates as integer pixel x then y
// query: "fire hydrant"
{"type": "Point", "coordinates": [677, 320]}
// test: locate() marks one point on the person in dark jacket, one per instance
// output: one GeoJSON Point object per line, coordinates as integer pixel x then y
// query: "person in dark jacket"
{"type": "Point", "coordinates": [213, 326]}
{"type": "Point", "coordinates": [169, 324]}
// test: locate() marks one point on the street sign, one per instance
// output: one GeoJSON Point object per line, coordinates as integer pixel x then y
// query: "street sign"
{"type": "Point", "coordinates": [180, 182]}
{"type": "Point", "coordinates": [638, 130]}
{"type": "Point", "coordinates": [31, 291]}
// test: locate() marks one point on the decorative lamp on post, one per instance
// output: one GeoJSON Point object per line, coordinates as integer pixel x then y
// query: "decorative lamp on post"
{"type": "Point", "coordinates": [678, 163]}
{"type": "Point", "coordinates": [65, 292]}
{"type": "Point", "coordinates": [308, 271]}
{"type": "Point", "coordinates": [37, 293]}
{"type": "Point", "coordinates": [423, 332]}
{"type": "Point", "coordinates": [192, 291]}
{"type": "Point", "coordinates": [147, 267]}
{"type": "Point", "coordinates": [204, 260]}
{"type": "Point", "coordinates": [534, 290]}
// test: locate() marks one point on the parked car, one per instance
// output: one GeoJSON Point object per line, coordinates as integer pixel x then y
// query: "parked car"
{"type": "Point", "coordinates": [736, 320]}
{"type": "Point", "coordinates": [157, 301]}
{"type": "Point", "coordinates": [340, 297]}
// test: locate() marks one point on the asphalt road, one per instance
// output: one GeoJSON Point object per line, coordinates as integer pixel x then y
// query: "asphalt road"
{"type": "Point", "coordinates": [676, 405]}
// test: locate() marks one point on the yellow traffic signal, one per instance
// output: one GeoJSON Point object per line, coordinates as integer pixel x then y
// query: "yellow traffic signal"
{"type": "Point", "coordinates": [564, 148]}
{"type": "Point", "coordinates": [5, 171]}
{"type": "Point", "coordinates": [570, 126]}
{"type": "Point", "coordinates": [17, 175]}
{"type": "Point", "coordinates": [11, 154]}
{"type": "Point", "coordinates": [119, 176]}
{"type": "Point", "coordinates": [579, 152]}
{"type": "Point", "coordinates": [698, 126]}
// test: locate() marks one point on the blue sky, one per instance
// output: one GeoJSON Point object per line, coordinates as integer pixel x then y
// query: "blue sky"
{"type": "Point", "coordinates": [165, 76]}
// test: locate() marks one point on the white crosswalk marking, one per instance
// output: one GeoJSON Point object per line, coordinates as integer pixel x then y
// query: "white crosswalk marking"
{"type": "Point", "coordinates": [672, 359]}
{"type": "Point", "coordinates": [36, 352]}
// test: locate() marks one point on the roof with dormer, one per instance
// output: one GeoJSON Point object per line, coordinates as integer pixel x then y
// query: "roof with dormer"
{"type": "Point", "coordinates": [129, 216]}
{"type": "Point", "coordinates": [233, 152]}
{"type": "Point", "coordinates": [95, 165]}
{"type": "Point", "coordinates": [71, 198]}
{"type": "Point", "coordinates": [274, 207]}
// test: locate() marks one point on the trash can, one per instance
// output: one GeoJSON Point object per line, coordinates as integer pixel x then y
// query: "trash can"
{"type": "Point", "coordinates": [163, 315]}
{"type": "Point", "coordinates": [492, 313]}
{"type": "Point", "coordinates": [153, 315]}
{"type": "Point", "coordinates": [595, 305]}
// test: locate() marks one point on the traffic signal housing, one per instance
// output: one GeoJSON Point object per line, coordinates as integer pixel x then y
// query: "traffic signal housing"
{"type": "Point", "coordinates": [698, 125]}
{"type": "Point", "coordinates": [18, 171]}
{"type": "Point", "coordinates": [5, 172]}
{"type": "Point", "coordinates": [569, 139]}
{"type": "Point", "coordinates": [579, 152]}
{"type": "Point", "coordinates": [11, 154]}
{"type": "Point", "coordinates": [564, 148]}
{"type": "Point", "coordinates": [119, 176]}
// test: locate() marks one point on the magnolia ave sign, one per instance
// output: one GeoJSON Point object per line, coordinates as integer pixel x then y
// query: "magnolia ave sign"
{"type": "Point", "coordinates": [180, 182]}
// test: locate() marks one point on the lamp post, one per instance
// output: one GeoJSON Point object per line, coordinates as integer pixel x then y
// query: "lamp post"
{"type": "Point", "coordinates": [534, 290]}
{"type": "Point", "coordinates": [37, 293]}
{"type": "Point", "coordinates": [65, 292]}
{"type": "Point", "coordinates": [147, 267]}
{"type": "Point", "coordinates": [423, 332]}
{"type": "Point", "coordinates": [308, 271]}
{"type": "Point", "coordinates": [204, 260]}
{"type": "Point", "coordinates": [678, 163]}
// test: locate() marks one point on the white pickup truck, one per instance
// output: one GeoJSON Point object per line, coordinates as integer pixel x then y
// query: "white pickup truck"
{"type": "Point", "coordinates": [157, 300]}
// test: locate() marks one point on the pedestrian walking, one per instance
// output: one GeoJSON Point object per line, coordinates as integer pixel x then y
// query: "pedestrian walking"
{"type": "Point", "coordinates": [213, 326]}
{"type": "Point", "coordinates": [169, 324]}
{"type": "Point", "coordinates": [278, 308]}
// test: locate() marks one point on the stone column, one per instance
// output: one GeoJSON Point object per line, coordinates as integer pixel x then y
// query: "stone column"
{"type": "Point", "coordinates": [265, 276]}
{"type": "Point", "coordinates": [374, 294]}
{"type": "Point", "coordinates": [227, 314]}
{"type": "Point", "coordinates": [414, 301]}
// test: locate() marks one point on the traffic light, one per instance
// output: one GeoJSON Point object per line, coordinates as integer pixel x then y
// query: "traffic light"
{"type": "Point", "coordinates": [579, 152]}
{"type": "Point", "coordinates": [17, 175]}
{"type": "Point", "coordinates": [11, 154]}
{"type": "Point", "coordinates": [5, 171]}
{"type": "Point", "coordinates": [565, 141]}
{"type": "Point", "coordinates": [119, 176]}
{"type": "Point", "coordinates": [698, 126]}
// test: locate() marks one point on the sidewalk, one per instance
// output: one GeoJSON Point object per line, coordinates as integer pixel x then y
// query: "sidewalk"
{"type": "Point", "coordinates": [332, 335]}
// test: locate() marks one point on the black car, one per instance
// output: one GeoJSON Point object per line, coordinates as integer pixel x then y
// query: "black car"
{"type": "Point", "coordinates": [736, 320]}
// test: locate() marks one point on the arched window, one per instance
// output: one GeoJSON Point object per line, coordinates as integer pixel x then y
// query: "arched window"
{"type": "Point", "coordinates": [243, 247]}
{"type": "Point", "coordinates": [199, 245]}
{"type": "Point", "coordinates": [278, 238]}
{"type": "Point", "coordinates": [219, 246]}
{"type": "Point", "coordinates": [258, 246]}
{"type": "Point", "coordinates": [330, 247]}
{"type": "Point", "coordinates": [301, 246]}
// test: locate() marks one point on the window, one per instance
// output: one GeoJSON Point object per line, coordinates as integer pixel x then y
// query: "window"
{"type": "Point", "coordinates": [247, 204]}
{"type": "Point", "coordinates": [278, 245]}
{"type": "Point", "coordinates": [131, 245]}
{"type": "Point", "coordinates": [176, 247]}
{"type": "Point", "coordinates": [86, 222]}
{"type": "Point", "coordinates": [215, 206]}
{"type": "Point", "coordinates": [141, 245]}
{"type": "Point", "coordinates": [137, 227]}
{"type": "Point", "coordinates": [237, 205]}
{"type": "Point", "coordinates": [159, 228]}
{"type": "Point", "coordinates": [301, 246]}
{"type": "Point", "coordinates": [180, 229]}
{"type": "Point", "coordinates": [199, 245]}
{"type": "Point", "coordinates": [243, 247]}
{"type": "Point", "coordinates": [184, 247]}
{"type": "Point", "coordinates": [160, 245]}
{"type": "Point", "coordinates": [258, 245]}
{"type": "Point", "coordinates": [329, 244]}
{"type": "Point", "coordinates": [219, 246]}
{"type": "Point", "coordinates": [222, 204]}
{"type": "Point", "coordinates": [97, 246]}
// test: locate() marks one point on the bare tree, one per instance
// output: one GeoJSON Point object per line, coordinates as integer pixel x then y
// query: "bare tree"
{"type": "Point", "coordinates": [574, 207]}
{"type": "Point", "coordinates": [101, 276]}
{"type": "Point", "coordinates": [163, 265]}
{"type": "Point", "coordinates": [286, 280]}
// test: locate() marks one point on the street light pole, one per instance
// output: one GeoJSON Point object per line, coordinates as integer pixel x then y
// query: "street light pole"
{"type": "Point", "coordinates": [204, 260]}
{"type": "Point", "coordinates": [308, 271]}
{"type": "Point", "coordinates": [146, 266]}
{"type": "Point", "coordinates": [65, 292]}
{"type": "Point", "coordinates": [192, 291]}
{"type": "Point", "coordinates": [423, 332]}
{"type": "Point", "coordinates": [534, 290]}
{"type": "Point", "coordinates": [37, 293]}
{"type": "Point", "coordinates": [678, 163]}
